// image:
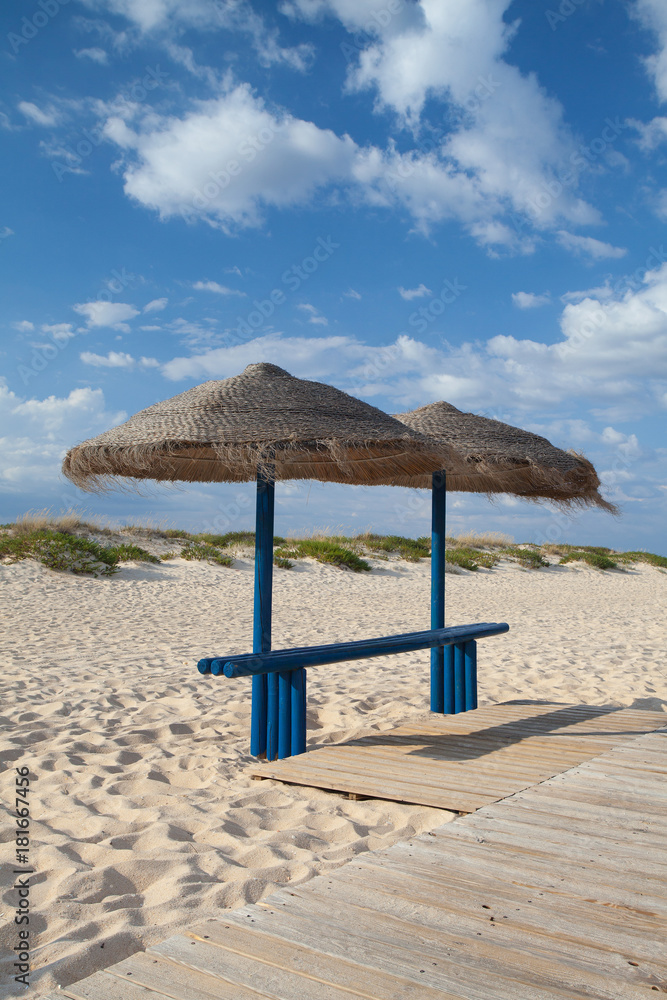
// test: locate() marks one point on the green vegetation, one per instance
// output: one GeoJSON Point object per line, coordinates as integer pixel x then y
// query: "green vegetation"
{"type": "Point", "coordinates": [231, 538]}
{"type": "Point", "coordinates": [325, 550]}
{"type": "Point", "coordinates": [65, 552]}
{"type": "Point", "coordinates": [407, 548]}
{"type": "Point", "coordinates": [596, 559]}
{"type": "Point", "coordinates": [128, 552]}
{"type": "Point", "coordinates": [647, 557]}
{"type": "Point", "coordinates": [472, 559]}
{"type": "Point", "coordinates": [60, 551]}
{"type": "Point", "coordinates": [63, 542]}
{"type": "Point", "coordinates": [205, 553]}
{"type": "Point", "coordinates": [529, 558]}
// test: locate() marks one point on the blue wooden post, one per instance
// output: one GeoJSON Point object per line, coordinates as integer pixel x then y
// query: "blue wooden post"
{"type": "Point", "coordinates": [448, 707]}
{"type": "Point", "coordinates": [438, 509]}
{"type": "Point", "coordinates": [298, 706]}
{"type": "Point", "coordinates": [459, 677]}
{"type": "Point", "coordinates": [470, 648]}
{"type": "Point", "coordinates": [272, 716]}
{"type": "Point", "coordinates": [284, 713]}
{"type": "Point", "coordinates": [261, 625]}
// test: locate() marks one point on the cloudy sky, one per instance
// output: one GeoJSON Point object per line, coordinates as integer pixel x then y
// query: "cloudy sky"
{"type": "Point", "coordinates": [412, 200]}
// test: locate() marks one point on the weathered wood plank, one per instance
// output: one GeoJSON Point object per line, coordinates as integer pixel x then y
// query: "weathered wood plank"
{"type": "Point", "coordinates": [179, 983]}
{"type": "Point", "coordinates": [536, 943]}
{"type": "Point", "coordinates": [103, 986]}
{"type": "Point", "coordinates": [471, 968]}
{"type": "Point", "coordinates": [314, 968]}
{"type": "Point", "coordinates": [466, 761]}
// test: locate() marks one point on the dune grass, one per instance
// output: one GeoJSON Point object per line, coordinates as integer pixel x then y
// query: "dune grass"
{"type": "Point", "coordinates": [324, 550]}
{"type": "Point", "coordinates": [127, 552]}
{"type": "Point", "coordinates": [62, 542]}
{"type": "Point", "coordinates": [204, 552]}
{"type": "Point", "coordinates": [59, 551]}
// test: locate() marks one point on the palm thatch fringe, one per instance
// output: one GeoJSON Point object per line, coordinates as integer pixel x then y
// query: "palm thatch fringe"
{"type": "Point", "coordinates": [500, 458]}
{"type": "Point", "coordinates": [223, 431]}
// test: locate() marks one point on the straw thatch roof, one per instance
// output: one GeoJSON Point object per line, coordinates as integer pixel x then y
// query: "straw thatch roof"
{"type": "Point", "coordinates": [500, 458]}
{"type": "Point", "coordinates": [224, 430]}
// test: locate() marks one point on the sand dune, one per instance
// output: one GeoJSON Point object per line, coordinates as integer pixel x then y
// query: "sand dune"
{"type": "Point", "coordinates": [144, 817]}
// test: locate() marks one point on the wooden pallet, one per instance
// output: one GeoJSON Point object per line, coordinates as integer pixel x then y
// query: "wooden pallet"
{"type": "Point", "coordinates": [557, 893]}
{"type": "Point", "coordinates": [463, 762]}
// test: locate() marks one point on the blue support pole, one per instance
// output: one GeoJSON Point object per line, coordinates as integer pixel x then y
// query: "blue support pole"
{"type": "Point", "coordinates": [459, 677]}
{"type": "Point", "coordinates": [470, 648]}
{"type": "Point", "coordinates": [448, 708]}
{"type": "Point", "coordinates": [298, 706]}
{"type": "Point", "coordinates": [272, 716]}
{"type": "Point", "coordinates": [261, 625]}
{"type": "Point", "coordinates": [284, 713]}
{"type": "Point", "coordinates": [438, 510]}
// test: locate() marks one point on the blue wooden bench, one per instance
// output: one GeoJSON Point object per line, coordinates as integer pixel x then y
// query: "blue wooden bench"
{"type": "Point", "coordinates": [278, 717]}
{"type": "Point", "coordinates": [284, 674]}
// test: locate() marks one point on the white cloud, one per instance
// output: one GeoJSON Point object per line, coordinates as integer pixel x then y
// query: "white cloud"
{"type": "Point", "coordinates": [213, 286]}
{"type": "Point", "coordinates": [168, 18]}
{"type": "Point", "coordinates": [150, 327]}
{"type": "Point", "coordinates": [314, 315]}
{"type": "Point", "coordinates": [509, 146]}
{"type": "Point", "coordinates": [95, 54]}
{"type": "Point", "coordinates": [116, 359]}
{"type": "Point", "coordinates": [529, 300]}
{"type": "Point", "coordinates": [612, 353]}
{"type": "Point", "coordinates": [227, 160]}
{"type": "Point", "coordinates": [661, 205]}
{"type": "Point", "coordinates": [587, 245]}
{"type": "Point", "coordinates": [101, 313]}
{"type": "Point", "coordinates": [37, 115]}
{"type": "Point", "coordinates": [653, 15]}
{"type": "Point", "coordinates": [156, 305]}
{"type": "Point", "coordinates": [652, 133]}
{"type": "Point", "coordinates": [351, 294]}
{"type": "Point", "coordinates": [58, 331]}
{"type": "Point", "coordinates": [39, 432]}
{"type": "Point", "coordinates": [414, 293]}
{"type": "Point", "coordinates": [5, 232]}
{"type": "Point", "coordinates": [23, 325]}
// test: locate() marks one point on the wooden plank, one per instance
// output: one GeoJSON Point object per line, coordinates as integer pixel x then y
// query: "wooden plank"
{"type": "Point", "coordinates": [165, 977]}
{"type": "Point", "coordinates": [553, 950]}
{"type": "Point", "coordinates": [472, 967]}
{"type": "Point", "coordinates": [314, 967]}
{"type": "Point", "coordinates": [500, 876]}
{"type": "Point", "coordinates": [466, 761]}
{"type": "Point", "coordinates": [269, 971]}
{"type": "Point", "coordinates": [414, 959]}
{"type": "Point", "coordinates": [446, 904]}
{"type": "Point", "coordinates": [103, 986]}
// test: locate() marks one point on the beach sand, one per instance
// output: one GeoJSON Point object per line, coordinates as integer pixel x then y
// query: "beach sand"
{"type": "Point", "coordinates": [144, 816]}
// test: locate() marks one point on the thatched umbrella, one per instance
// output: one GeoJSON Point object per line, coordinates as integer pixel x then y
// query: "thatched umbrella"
{"type": "Point", "coordinates": [499, 458]}
{"type": "Point", "coordinates": [263, 424]}
{"type": "Point", "coordinates": [264, 418]}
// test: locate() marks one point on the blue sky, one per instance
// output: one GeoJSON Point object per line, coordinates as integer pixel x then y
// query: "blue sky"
{"type": "Point", "coordinates": [457, 199]}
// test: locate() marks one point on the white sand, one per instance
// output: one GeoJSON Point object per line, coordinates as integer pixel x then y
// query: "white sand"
{"type": "Point", "coordinates": [144, 817]}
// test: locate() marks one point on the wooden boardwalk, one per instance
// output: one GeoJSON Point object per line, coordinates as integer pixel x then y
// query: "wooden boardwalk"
{"type": "Point", "coordinates": [463, 762]}
{"type": "Point", "coordinates": [558, 892]}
